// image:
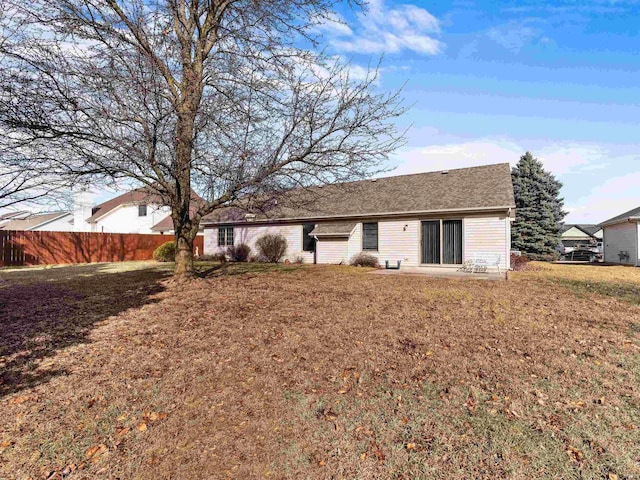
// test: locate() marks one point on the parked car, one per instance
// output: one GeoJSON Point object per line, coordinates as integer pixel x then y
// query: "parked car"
{"type": "Point", "coordinates": [582, 255]}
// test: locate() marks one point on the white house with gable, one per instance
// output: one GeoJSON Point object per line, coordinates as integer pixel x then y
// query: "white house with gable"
{"type": "Point", "coordinates": [428, 219]}
{"type": "Point", "coordinates": [621, 238]}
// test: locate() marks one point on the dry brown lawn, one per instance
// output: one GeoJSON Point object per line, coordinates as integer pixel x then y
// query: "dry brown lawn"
{"type": "Point", "coordinates": [113, 371]}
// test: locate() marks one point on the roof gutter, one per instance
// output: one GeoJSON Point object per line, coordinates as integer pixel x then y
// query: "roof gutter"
{"type": "Point", "coordinates": [634, 219]}
{"type": "Point", "coordinates": [507, 208]}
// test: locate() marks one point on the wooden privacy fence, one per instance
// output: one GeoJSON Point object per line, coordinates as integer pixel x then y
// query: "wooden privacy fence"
{"type": "Point", "coordinates": [51, 248]}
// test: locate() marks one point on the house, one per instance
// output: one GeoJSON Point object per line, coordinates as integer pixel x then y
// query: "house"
{"type": "Point", "coordinates": [7, 217]}
{"type": "Point", "coordinates": [620, 238]}
{"type": "Point", "coordinates": [136, 211]}
{"type": "Point", "coordinates": [427, 219]}
{"type": "Point", "coordinates": [41, 222]}
{"type": "Point", "coordinates": [581, 237]}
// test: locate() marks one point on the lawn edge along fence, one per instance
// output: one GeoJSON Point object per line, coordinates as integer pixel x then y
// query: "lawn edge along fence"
{"type": "Point", "coordinates": [19, 248]}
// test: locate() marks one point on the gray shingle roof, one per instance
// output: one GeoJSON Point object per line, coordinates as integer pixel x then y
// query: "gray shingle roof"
{"type": "Point", "coordinates": [476, 188]}
{"type": "Point", "coordinates": [33, 221]}
{"type": "Point", "coordinates": [9, 215]}
{"type": "Point", "coordinates": [333, 229]}
{"type": "Point", "coordinates": [631, 213]}
{"type": "Point", "coordinates": [589, 229]}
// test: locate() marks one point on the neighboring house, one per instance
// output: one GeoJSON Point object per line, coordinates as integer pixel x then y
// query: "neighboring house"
{"type": "Point", "coordinates": [137, 211]}
{"type": "Point", "coordinates": [427, 219]}
{"type": "Point", "coordinates": [620, 238]}
{"type": "Point", "coordinates": [42, 222]}
{"type": "Point", "coordinates": [9, 216]}
{"type": "Point", "coordinates": [581, 237]}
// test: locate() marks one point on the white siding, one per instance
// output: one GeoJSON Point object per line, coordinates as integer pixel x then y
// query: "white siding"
{"type": "Point", "coordinates": [575, 234]}
{"type": "Point", "coordinates": [397, 240]}
{"type": "Point", "coordinates": [125, 219]}
{"type": "Point", "coordinates": [250, 233]}
{"type": "Point", "coordinates": [618, 238]}
{"type": "Point", "coordinates": [355, 242]}
{"type": "Point", "coordinates": [487, 237]}
{"type": "Point", "coordinates": [333, 251]}
{"type": "Point", "coordinates": [484, 237]}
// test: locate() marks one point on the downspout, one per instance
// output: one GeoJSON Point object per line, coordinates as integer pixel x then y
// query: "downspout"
{"type": "Point", "coordinates": [315, 251]}
{"type": "Point", "coordinates": [637, 254]}
{"type": "Point", "coordinates": [507, 228]}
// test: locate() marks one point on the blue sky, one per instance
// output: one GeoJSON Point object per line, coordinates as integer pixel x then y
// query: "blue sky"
{"type": "Point", "coordinates": [489, 80]}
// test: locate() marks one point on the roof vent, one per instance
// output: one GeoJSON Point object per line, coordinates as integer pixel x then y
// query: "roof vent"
{"type": "Point", "coordinates": [374, 179]}
{"type": "Point", "coordinates": [444, 172]}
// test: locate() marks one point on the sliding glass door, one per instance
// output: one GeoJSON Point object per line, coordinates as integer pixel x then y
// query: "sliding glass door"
{"type": "Point", "coordinates": [431, 242]}
{"type": "Point", "coordinates": [452, 242]}
{"type": "Point", "coordinates": [442, 242]}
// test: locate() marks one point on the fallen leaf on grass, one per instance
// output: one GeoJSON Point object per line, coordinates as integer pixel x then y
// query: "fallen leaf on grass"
{"type": "Point", "coordinates": [142, 427]}
{"type": "Point", "coordinates": [377, 451]}
{"type": "Point", "coordinates": [94, 453]}
{"type": "Point", "coordinates": [411, 446]}
{"type": "Point", "coordinates": [471, 404]}
{"type": "Point", "coordinates": [5, 445]}
{"type": "Point", "coordinates": [154, 416]}
{"type": "Point", "coordinates": [613, 476]}
{"type": "Point", "coordinates": [123, 431]}
{"type": "Point", "coordinates": [574, 453]}
{"type": "Point", "coordinates": [18, 400]}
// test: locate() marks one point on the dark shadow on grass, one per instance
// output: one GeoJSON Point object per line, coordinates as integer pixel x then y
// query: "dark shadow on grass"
{"type": "Point", "coordinates": [42, 312]}
{"type": "Point", "coordinates": [231, 269]}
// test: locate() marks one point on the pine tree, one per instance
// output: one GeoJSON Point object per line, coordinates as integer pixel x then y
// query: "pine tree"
{"type": "Point", "coordinates": [539, 212]}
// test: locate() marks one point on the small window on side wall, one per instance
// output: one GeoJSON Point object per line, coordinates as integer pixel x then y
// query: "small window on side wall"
{"type": "Point", "coordinates": [370, 236]}
{"type": "Point", "coordinates": [308, 242]}
{"type": "Point", "coordinates": [225, 236]}
{"type": "Point", "coordinates": [142, 210]}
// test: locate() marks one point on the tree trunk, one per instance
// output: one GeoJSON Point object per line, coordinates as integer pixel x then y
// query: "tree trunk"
{"type": "Point", "coordinates": [191, 94]}
{"type": "Point", "coordinates": [184, 254]}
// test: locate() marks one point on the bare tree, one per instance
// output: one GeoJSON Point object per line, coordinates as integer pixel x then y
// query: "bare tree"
{"type": "Point", "coordinates": [223, 96]}
{"type": "Point", "coordinates": [22, 180]}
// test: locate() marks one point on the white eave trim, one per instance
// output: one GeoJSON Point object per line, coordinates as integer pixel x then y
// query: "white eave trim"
{"type": "Point", "coordinates": [507, 208]}
{"type": "Point", "coordinates": [622, 220]}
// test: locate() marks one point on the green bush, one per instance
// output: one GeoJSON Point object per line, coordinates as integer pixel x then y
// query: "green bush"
{"type": "Point", "coordinates": [165, 252]}
{"type": "Point", "coordinates": [272, 247]}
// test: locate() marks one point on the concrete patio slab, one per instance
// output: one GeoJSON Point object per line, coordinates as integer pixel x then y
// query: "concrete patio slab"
{"type": "Point", "coordinates": [435, 272]}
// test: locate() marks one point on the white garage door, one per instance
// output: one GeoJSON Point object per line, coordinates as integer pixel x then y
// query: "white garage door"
{"type": "Point", "coordinates": [332, 251]}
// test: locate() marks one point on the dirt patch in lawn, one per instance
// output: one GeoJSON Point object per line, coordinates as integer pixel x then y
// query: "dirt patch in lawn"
{"type": "Point", "coordinates": [325, 372]}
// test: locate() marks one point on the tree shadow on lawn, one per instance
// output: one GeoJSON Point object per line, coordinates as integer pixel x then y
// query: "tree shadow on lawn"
{"type": "Point", "coordinates": [58, 308]}
{"type": "Point", "coordinates": [206, 270]}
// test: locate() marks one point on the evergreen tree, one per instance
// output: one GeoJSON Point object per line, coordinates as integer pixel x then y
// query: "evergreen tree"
{"type": "Point", "coordinates": [539, 213]}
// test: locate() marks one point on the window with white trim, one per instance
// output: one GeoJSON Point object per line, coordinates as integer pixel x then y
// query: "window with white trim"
{"type": "Point", "coordinates": [225, 236]}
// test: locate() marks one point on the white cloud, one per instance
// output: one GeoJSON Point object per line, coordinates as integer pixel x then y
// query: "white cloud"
{"type": "Point", "coordinates": [383, 29]}
{"type": "Point", "coordinates": [515, 35]}
{"type": "Point", "coordinates": [442, 157]}
{"type": "Point", "coordinates": [333, 24]}
{"type": "Point", "coordinates": [615, 196]}
{"type": "Point", "coordinates": [573, 158]}
{"type": "Point", "coordinates": [560, 159]}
